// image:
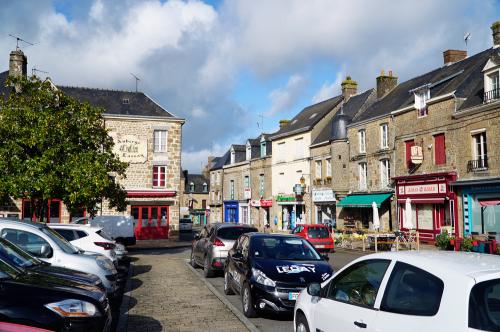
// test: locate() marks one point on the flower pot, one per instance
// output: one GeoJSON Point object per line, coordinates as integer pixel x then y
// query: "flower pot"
{"type": "Point", "coordinates": [474, 243]}
{"type": "Point", "coordinates": [452, 242]}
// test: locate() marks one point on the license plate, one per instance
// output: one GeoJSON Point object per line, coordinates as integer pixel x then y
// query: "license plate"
{"type": "Point", "coordinates": [293, 296]}
{"type": "Point", "coordinates": [320, 246]}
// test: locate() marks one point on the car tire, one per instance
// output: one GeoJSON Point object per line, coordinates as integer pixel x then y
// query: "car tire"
{"type": "Point", "coordinates": [301, 323]}
{"type": "Point", "coordinates": [227, 287]}
{"type": "Point", "coordinates": [247, 302]}
{"type": "Point", "coordinates": [207, 270]}
{"type": "Point", "coordinates": [192, 261]}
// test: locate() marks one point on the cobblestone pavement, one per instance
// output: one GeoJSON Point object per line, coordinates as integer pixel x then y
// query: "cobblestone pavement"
{"type": "Point", "coordinates": [166, 296]}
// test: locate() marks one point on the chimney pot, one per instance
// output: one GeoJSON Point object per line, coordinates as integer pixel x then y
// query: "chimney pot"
{"type": "Point", "coordinates": [283, 123]}
{"type": "Point", "coordinates": [385, 83]}
{"type": "Point", "coordinates": [452, 56]}
{"type": "Point", "coordinates": [349, 88]}
{"type": "Point", "coordinates": [17, 63]}
{"type": "Point", "coordinates": [495, 29]}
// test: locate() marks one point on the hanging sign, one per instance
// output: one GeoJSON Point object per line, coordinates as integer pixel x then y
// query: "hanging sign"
{"type": "Point", "coordinates": [417, 155]}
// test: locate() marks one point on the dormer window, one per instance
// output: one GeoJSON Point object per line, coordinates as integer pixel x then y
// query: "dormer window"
{"type": "Point", "coordinates": [205, 187]}
{"type": "Point", "coordinates": [262, 149]}
{"type": "Point", "coordinates": [421, 97]}
{"type": "Point", "coordinates": [233, 156]}
{"type": "Point", "coordinates": [249, 151]}
{"type": "Point", "coordinates": [492, 87]}
{"type": "Point", "coordinates": [126, 101]}
{"type": "Point", "coordinates": [191, 187]}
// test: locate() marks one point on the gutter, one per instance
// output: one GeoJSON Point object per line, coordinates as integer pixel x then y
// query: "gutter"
{"type": "Point", "coordinates": [143, 117]}
{"type": "Point", "coordinates": [291, 133]}
{"type": "Point", "coordinates": [429, 102]}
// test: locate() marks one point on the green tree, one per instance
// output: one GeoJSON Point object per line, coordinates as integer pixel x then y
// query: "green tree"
{"type": "Point", "coordinates": [53, 146]}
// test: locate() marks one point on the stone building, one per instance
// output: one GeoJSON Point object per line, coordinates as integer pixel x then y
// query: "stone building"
{"type": "Point", "coordinates": [146, 136]}
{"type": "Point", "coordinates": [194, 197]}
{"type": "Point", "coordinates": [236, 186]}
{"type": "Point", "coordinates": [216, 198]}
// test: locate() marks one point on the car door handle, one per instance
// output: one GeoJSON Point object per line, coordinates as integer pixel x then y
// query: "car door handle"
{"type": "Point", "coordinates": [359, 324]}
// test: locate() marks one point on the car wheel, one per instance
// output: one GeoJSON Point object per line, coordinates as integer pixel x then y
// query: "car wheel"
{"type": "Point", "coordinates": [192, 261]}
{"type": "Point", "coordinates": [301, 323]}
{"type": "Point", "coordinates": [207, 270]}
{"type": "Point", "coordinates": [227, 288]}
{"type": "Point", "coordinates": [247, 301]}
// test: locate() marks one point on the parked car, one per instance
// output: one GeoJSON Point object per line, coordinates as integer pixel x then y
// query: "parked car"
{"type": "Point", "coordinates": [51, 302]}
{"type": "Point", "coordinates": [118, 228]}
{"type": "Point", "coordinates": [23, 260]}
{"type": "Point", "coordinates": [11, 327]}
{"type": "Point", "coordinates": [318, 234]}
{"type": "Point", "coordinates": [270, 270]}
{"type": "Point", "coordinates": [49, 246]}
{"type": "Point", "coordinates": [211, 246]}
{"type": "Point", "coordinates": [406, 291]}
{"type": "Point", "coordinates": [87, 238]}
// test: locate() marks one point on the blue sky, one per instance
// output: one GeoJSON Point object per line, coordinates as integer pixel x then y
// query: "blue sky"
{"type": "Point", "coordinates": [221, 63]}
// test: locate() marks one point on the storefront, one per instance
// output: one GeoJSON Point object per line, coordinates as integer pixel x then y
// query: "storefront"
{"type": "Point", "coordinates": [262, 211]}
{"type": "Point", "coordinates": [231, 211]}
{"type": "Point", "coordinates": [356, 211]}
{"type": "Point", "coordinates": [432, 201]}
{"type": "Point", "coordinates": [199, 217]}
{"type": "Point", "coordinates": [244, 215]}
{"type": "Point", "coordinates": [292, 211]}
{"type": "Point", "coordinates": [325, 204]}
{"type": "Point", "coordinates": [480, 205]}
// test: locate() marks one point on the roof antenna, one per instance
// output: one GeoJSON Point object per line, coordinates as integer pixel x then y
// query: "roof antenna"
{"type": "Point", "coordinates": [18, 39]}
{"type": "Point", "coordinates": [137, 79]}
{"type": "Point", "coordinates": [34, 71]}
{"type": "Point", "coordinates": [467, 36]}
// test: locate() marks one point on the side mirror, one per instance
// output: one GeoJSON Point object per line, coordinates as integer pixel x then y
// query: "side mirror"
{"type": "Point", "coordinates": [238, 256]}
{"type": "Point", "coordinates": [314, 289]}
{"type": "Point", "coordinates": [325, 257]}
{"type": "Point", "coordinates": [196, 236]}
{"type": "Point", "coordinates": [45, 251]}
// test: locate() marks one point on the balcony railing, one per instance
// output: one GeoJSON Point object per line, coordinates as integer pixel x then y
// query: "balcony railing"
{"type": "Point", "coordinates": [491, 95]}
{"type": "Point", "coordinates": [477, 165]}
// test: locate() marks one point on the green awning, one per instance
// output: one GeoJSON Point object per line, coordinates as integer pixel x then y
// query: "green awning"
{"type": "Point", "coordinates": [363, 201]}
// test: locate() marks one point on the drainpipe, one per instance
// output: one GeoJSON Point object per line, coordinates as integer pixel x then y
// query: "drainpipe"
{"type": "Point", "coordinates": [394, 163]}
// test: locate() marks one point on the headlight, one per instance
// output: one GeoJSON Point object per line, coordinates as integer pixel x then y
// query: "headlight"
{"type": "Point", "coordinates": [73, 308]}
{"type": "Point", "coordinates": [105, 263]}
{"type": "Point", "coordinates": [261, 278]}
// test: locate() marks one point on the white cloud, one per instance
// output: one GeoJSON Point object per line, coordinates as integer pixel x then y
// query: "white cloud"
{"type": "Point", "coordinates": [199, 112]}
{"type": "Point", "coordinates": [97, 10]}
{"type": "Point", "coordinates": [284, 98]}
{"type": "Point", "coordinates": [328, 90]}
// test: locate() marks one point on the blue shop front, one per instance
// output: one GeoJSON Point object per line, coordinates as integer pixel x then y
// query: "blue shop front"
{"type": "Point", "coordinates": [231, 211]}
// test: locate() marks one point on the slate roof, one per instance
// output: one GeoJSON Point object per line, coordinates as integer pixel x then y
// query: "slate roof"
{"type": "Point", "coordinates": [349, 109]}
{"type": "Point", "coordinates": [198, 180]}
{"type": "Point", "coordinates": [464, 77]}
{"type": "Point", "coordinates": [306, 119]}
{"type": "Point", "coordinates": [240, 153]}
{"type": "Point", "coordinates": [221, 161]}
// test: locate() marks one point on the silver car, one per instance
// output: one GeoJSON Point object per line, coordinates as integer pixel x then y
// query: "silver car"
{"type": "Point", "coordinates": [210, 247]}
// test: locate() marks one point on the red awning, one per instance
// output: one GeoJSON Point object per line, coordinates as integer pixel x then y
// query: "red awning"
{"type": "Point", "coordinates": [151, 193]}
{"type": "Point", "coordinates": [489, 202]}
{"type": "Point", "coordinates": [423, 201]}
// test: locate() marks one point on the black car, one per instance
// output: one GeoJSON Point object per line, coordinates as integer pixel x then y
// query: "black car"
{"type": "Point", "coordinates": [270, 270]}
{"type": "Point", "coordinates": [17, 257]}
{"type": "Point", "coordinates": [51, 302]}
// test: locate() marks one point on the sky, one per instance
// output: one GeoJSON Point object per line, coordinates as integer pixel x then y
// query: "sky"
{"type": "Point", "coordinates": [234, 68]}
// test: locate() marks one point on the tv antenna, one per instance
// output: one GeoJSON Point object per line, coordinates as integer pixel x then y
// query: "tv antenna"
{"type": "Point", "coordinates": [260, 124]}
{"type": "Point", "coordinates": [137, 79]}
{"type": "Point", "coordinates": [467, 36]}
{"type": "Point", "coordinates": [19, 39]}
{"type": "Point", "coordinates": [34, 71]}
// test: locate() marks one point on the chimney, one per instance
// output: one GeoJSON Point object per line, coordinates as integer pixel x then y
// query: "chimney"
{"type": "Point", "coordinates": [495, 29]}
{"type": "Point", "coordinates": [349, 87]}
{"type": "Point", "coordinates": [385, 83]}
{"type": "Point", "coordinates": [452, 56]}
{"type": "Point", "coordinates": [17, 63]}
{"type": "Point", "coordinates": [284, 123]}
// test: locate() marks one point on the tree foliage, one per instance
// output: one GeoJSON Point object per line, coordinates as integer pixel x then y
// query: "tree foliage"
{"type": "Point", "coordinates": [53, 146]}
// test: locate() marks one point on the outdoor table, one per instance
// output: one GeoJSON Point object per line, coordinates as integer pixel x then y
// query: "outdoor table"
{"type": "Point", "coordinates": [384, 240]}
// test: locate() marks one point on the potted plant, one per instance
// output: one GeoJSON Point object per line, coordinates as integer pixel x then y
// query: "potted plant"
{"type": "Point", "coordinates": [466, 244]}
{"type": "Point", "coordinates": [443, 241]}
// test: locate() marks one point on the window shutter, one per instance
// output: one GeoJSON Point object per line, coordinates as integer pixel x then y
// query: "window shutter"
{"type": "Point", "coordinates": [439, 149]}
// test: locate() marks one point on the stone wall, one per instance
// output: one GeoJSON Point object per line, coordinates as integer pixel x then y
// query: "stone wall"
{"type": "Point", "coordinates": [257, 167]}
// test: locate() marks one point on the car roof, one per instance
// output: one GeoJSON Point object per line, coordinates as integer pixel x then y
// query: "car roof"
{"type": "Point", "coordinates": [272, 235]}
{"type": "Point", "coordinates": [15, 223]}
{"type": "Point", "coordinates": [469, 264]}
{"type": "Point", "coordinates": [79, 226]}
{"type": "Point", "coordinates": [314, 225]}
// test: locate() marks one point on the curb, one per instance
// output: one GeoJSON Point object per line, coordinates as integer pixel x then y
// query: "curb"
{"type": "Point", "coordinates": [248, 324]}
{"type": "Point", "coordinates": [124, 307]}
{"type": "Point", "coordinates": [181, 246]}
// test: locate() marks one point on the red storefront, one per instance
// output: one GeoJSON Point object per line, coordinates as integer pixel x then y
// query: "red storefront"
{"type": "Point", "coordinates": [433, 203]}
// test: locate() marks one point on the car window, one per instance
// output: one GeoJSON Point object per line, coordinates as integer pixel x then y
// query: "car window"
{"type": "Point", "coordinates": [484, 306]}
{"type": "Point", "coordinates": [99, 232]}
{"type": "Point", "coordinates": [63, 244]}
{"type": "Point", "coordinates": [317, 232]}
{"type": "Point", "coordinates": [412, 291]}
{"type": "Point", "coordinates": [285, 248]}
{"type": "Point", "coordinates": [359, 284]}
{"type": "Point", "coordinates": [244, 246]}
{"type": "Point", "coordinates": [14, 255]}
{"type": "Point", "coordinates": [27, 241]}
{"type": "Point", "coordinates": [7, 270]}
{"type": "Point", "coordinates": [298, 229]}
{"type": "Point", "coordinates": [232, 233]}
{"type": "Point", "coordinates": [68, 234]}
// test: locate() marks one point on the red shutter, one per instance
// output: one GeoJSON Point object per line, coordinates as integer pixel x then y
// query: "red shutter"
{"type": "Point", "coordinates": [439, 149]}
{"type": "Point", "coordinates": [409, 144]}
{"type": "Point", "coordinates": [155, 176]}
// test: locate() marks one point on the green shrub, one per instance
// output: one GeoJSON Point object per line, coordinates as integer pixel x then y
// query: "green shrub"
{"type": "Point", "coordinates": [443, 240]}
{"type": "Point", "coordinates": [466, 244]}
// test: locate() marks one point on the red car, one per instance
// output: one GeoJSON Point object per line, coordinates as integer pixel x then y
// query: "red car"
{"type": "Point", "coordinates": [318, 235]}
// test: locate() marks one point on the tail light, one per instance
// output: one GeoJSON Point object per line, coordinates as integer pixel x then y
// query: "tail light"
{"type": "Point", "coordinates": [105, 245]}
{"type": "Point", "coordinates": [218, 243]}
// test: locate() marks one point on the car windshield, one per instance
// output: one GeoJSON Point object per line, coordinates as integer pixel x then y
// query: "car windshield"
{"type": "Point", "coordinates": [60, 241]}
{"type": "Point", "coordinates": [283, 248]}
{"type": "Point", "coordinates": [8, 271]}
{"type": "Point", "coordinates": [484, 306]}
{"type": "Point", "coordinates": [16, 256]}
{"type": "Point", "coordinates": [317, 232]}
{"type": "Point", "coordinates": [232, 233]}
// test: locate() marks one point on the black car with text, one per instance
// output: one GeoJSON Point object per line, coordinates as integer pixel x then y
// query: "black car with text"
{"type": "Point", "coordinates": [270, 270]}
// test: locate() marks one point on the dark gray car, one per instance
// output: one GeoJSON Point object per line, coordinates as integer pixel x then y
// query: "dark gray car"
{"type": "Point", "coordinates": [211, 246]}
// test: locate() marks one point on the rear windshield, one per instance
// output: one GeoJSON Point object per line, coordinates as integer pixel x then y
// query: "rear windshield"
{"type": "Point", "coordinates": [484, 306]}
{"type": "Point", "coordinates": [317, 232]}
{"type": "Point", "coordinates": [104, 235]}
{"type": "Point", "coordinates": [232, 233]}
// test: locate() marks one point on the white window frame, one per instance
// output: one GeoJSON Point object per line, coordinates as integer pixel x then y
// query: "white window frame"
{"type": "Point", "coordinates": [384, 136]}
{"type": "Point", "coordinates": [246, 181]}
{"type": "Point", "coordinates": [231, 189]}
{"type": "Point", "coordinates": [362, 141]}
{"type": "Point", "coordinates": [299, 148]}
{"type": "Point", "coordinates": [191, 187]}
{"type": "Point", "coordinates": [480, 142]}
{"type": "Point", "coordinates": [249, 152]}
{"type": "Point", "coordinates": [205, 187]}
{"type": "Point", "coordinates": [385, 173]}
{"type": "Point", "coordinates": [261, 185]}
{"type": "Point", "coordinates": [160, 141]}
{"type": "Point", "coordinates": [363, 176]}
{"type": "Point", "coordinates": [263, 149]}
{"type": "Point", "coordinates": [329, 167]}
{"type": "Point", "coordinates": [233, 156]}
{"type": "Point", "coordinates": [421, 97]}
{"type": "Point", "coordinates": [280, 154]}
{"type": "Point", "coordinates": [319, 166]}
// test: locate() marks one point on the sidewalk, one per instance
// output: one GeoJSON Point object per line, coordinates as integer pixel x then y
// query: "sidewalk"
{"type": "Point", "coordinates": [170, 243]}
{"type": "Point", "coordinates": [165, 295]}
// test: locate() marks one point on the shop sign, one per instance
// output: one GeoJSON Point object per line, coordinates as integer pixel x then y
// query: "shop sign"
{"type": "Point", "coordinates": [421, 189]}
{"type": "Point", "coordinates": [325, 195]}
{"type": "Point", "coordinates": [255, 203]}
{"type": "Point", "coordinates": [298, 190]}
{"type": "Point", "coordinates": [247, 193]}
{"type": "Point", "coordinates": [282, 198]}
{"type": "Point", "coordinates": [130, 148]}
{"type": "Point", "coordinates": [266, 202]}
{"type": "Point", "coordinates": [416, 155]}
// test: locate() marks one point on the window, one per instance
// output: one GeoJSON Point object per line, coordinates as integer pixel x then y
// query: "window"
{"type": "Point", "coordinates": [384, 136]}
{"type": "Point", "coordinates": [246, 182]}
{"type": "Point", "coordinates": [359, 284]}
{"type": "Point", "coordinates": [362, 141]}
{"type": "Point", "coordinates": [263, 150]}
{"type": "Point", "coordinates": [412, 291]}
{"type": "Point", "coordinates": [492, 91]}
{"type": "Point", "coordinates": [480, 150]}
{"type": "Point", "coordinates": [212, 177]}
{"type": "Point", "coordinates": [421, 97]}
{"type": "Point", "coordinates": [160, 141]}
{"type": "Point", "coordinates": [280, 154]}
{"type": "Point", "coordinates": [231, 189]}
{"type": "Point", "coordinates": [483, 306]}
{"type": "Point", "coordinates": [191, 187]}
{"type": "Point", "coordinates": [408, 145]}
{"type": "Point", "coordinates": [362, 176]}
{"type": "Point", "coordinates": [27, 241]}
{"type": "Point", "coordinates": [82, 234]}
{"type": "Point", "coordinates": [318, 169]}
{"type": "Point", "coordinates": [217, 178]}
{"type": "Point", "coordinates": [205, 187]}
{"type": "Point", "coordinates": [233, 156]}
{"type": "Point", "coordinates": [439, 149]}
{"type": "Point", "coordinates": [385, 173]}
{"type": "Point", "coordinates": [249, 151]}
{"type": "Point", "coordinates": [299, 148]}
{"type": "Point", "coordinates": [204, 204]}
{"type": "Point", "coordinates": [159, 176]}
{"type": "Point", "coordinates": [68, 234]}
{"type": "Point", "coordinates": [125, 101]}
{"type": "Point", "coordinates": [329, 167]}
{"type": "Point", "coordinates": [261, 185]}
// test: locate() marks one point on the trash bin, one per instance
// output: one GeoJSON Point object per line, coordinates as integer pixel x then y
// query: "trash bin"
{"type": "Point", "coordinates": [185, 229]}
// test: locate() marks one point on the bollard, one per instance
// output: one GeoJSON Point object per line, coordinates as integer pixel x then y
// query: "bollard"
{"type": "Point", "coordinates": [376, 249]}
